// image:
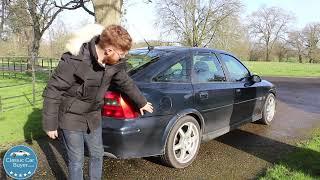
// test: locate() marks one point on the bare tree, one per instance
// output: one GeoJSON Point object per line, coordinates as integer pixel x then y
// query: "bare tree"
{"type": "Point", "coordinates": [297, 42]}
{"type": "Point", "coordinates": [267, 25]}
{"type": "Point", "coordinates": [75, 4]}
{"type": "Point", "coordinates": [281, 49]}
{"type": "Point", "coordinates": [195, 22]}
{"type": "Point", "coordinates": [57, 38]}
{"type": "Point", "coordinates": [3, 17]}
{"type": "Point", "coordinates": [31, 18]}
{"type": "Point", "coordinates": [232, 36]}
{"type": "Point", "coordinates": [312, 36]}
{"type": "Point", "coordinates": [106, 12]}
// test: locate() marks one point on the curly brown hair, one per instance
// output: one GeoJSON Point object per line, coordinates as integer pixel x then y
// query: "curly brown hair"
{"type": "Point", "coordinates": [116, 36]}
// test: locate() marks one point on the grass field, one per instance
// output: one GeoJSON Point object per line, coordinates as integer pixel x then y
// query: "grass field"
{"type": "Point", "coordinates": [20, 124]}
{"type": "Point", "coordinates": [304, 164]}
{"type": "Point", "coordinates": [15, 92]}
{"type": "Point", "coordinates": [24, 121]}
{"type": "Point", "coordinates": [283, 69]}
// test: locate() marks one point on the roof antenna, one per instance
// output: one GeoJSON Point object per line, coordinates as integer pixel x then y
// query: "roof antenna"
{"type": "Point", "coordinates": [150, 48]}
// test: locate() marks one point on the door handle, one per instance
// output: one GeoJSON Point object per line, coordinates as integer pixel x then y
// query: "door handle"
{"type": "Point", "coordinates": [238, 91]}
{"type": "Point", "coordinates": [204, 95]}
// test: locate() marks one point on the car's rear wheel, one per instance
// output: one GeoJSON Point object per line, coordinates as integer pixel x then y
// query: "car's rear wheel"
{"type": "Point", "coordinates": [183, 143]}
{"type": "Point", "coordinates": [269, 109]}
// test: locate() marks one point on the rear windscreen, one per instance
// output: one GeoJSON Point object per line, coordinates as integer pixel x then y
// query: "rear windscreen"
{"type": "Point", "coordinates": [138, 59]}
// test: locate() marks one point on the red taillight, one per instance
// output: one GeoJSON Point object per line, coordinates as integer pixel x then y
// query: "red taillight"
{"type": "Point", "coordinates": [117, 107]}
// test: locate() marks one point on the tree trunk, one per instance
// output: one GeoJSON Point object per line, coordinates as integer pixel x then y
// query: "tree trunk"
{"type": "Point", "coordinates": [107, 12]}
{"type": "Point", "coordinates": [310, 60]}
{"type": "Point", "coordinates": [310, 55]}
{"type": "Point", "coordinates": [280, 57]}
{"type": "Point", "coordinates": [2, 17]}
{"type": "Point", "coordinates": [300, 58]}
{"type": "Point", "coordinates": [267, 49]}
{"type": "Point", "coordinates": [267, 54]}
{"type": "Point", "coordinates": [33, 51]}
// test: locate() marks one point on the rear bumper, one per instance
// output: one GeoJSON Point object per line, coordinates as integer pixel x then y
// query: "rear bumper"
{"type": "Point", "coordinates": [141, 137]}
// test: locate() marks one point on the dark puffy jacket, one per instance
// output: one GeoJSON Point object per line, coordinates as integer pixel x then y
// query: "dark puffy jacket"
{"type": "Point", "coordinates": [74, 94]}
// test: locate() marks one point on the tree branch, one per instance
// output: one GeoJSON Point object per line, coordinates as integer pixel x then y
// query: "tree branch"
{"type": "Point", "coordinates": [75, 5]}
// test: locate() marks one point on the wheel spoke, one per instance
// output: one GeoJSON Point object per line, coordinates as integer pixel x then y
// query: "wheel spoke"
{"type": "Point", "coordinates": [176, 147]}
{"type": "Point", "coordinates": [182, 134]}
{"type": "Point", "coordinates": [271, 101]}
{"type": "Point", "coordinates": [188, 133]}
{"type": "Point", "coordinates": [194, 139]}
{"type": "Point", "coordinates": [270, 109]}
{"type": "Point", "coordinates": [189, 151]}
{"type": "Point", "coordinates": [182, 154]}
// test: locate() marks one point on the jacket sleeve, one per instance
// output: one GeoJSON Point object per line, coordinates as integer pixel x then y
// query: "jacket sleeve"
{"type": "Point", "coordinates": [60, 81]}
{"type": "Point", "coordinates": [127, 86]}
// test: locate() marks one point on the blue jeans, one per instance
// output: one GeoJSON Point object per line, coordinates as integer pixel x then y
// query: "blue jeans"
{"type": "Point", "coordinates": [74, 144]}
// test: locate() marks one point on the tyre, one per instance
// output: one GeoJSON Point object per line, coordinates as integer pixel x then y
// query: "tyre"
{"type": "Point", "coordinates": [183, 143]}
{"type": "Point", "coordinates": [269, 109]}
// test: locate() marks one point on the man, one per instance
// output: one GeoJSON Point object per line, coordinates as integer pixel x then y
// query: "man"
{"type": "Point", "coordinates": [74, 94]}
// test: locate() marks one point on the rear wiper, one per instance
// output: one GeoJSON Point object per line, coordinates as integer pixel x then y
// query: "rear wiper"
{"type": "Point", "coordinates": [242, 78]}
{"type": "Point", "coordinates": [150, 48]}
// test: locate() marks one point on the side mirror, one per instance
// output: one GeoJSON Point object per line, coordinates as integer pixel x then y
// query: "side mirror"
{"type": "Point", "coordinates": [255, 78]}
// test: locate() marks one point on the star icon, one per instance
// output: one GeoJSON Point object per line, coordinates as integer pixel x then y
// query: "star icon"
{"type": "Point", "coordinates": [11, 172]}
{"type": "Point", "coordinates": [29, 172]}
{"type": "Point", "coordinates": [24, 174]}
{"type": "Point", "coordinates": [20, 175]}
{"type": "Point", "coordinates": [15, 174]}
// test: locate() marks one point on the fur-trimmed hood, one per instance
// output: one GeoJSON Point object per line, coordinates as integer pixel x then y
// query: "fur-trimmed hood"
{"type": "Point", "coordinates": [83, 35]}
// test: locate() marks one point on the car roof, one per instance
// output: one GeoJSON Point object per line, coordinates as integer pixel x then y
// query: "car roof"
{"type": "Point", "coordinates": [183, 48]}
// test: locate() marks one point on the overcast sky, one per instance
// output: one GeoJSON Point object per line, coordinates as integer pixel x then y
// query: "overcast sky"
{"type": "Point", "coordinates": [141, 17]}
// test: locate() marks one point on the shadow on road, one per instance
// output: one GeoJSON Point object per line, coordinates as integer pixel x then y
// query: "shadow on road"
{"type": "Point", "coordinates": [51, 149]}
{"type": "Point", "coordinates": [273, 151]}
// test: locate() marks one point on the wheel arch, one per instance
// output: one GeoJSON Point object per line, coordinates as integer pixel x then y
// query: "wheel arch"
{"type": "Point", "coordinates": [187, 112]}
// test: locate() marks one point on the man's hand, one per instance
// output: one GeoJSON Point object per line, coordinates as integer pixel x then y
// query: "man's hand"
{"type": "Point", "coordinates": [52, 134]}
{"type": "Point", "coordinates": [148, 107]}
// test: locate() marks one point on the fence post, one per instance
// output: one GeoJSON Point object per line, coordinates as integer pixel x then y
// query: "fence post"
{"type": "Point", "coordinates": [2, 66]}
{"type": "Point", "coordinates": [9, 67]}
{"type": "Point", "coordinates": [20, 64]}
{"type": "Point", "coordinates": [34, 58]}
{"type": "Point", "coordinates": [50, 65]}
{"type": "Point", "coordinates": [0, 105]}
{"type": "Point", "coordinates": [14, 69]}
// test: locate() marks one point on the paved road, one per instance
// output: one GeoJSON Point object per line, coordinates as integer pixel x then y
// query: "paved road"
{"type": "Point", "coordinates": [241, 154]}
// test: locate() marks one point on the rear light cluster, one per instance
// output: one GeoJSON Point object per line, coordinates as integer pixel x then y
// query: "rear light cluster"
{"type": "Point", "coordinates": [116, 106]}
